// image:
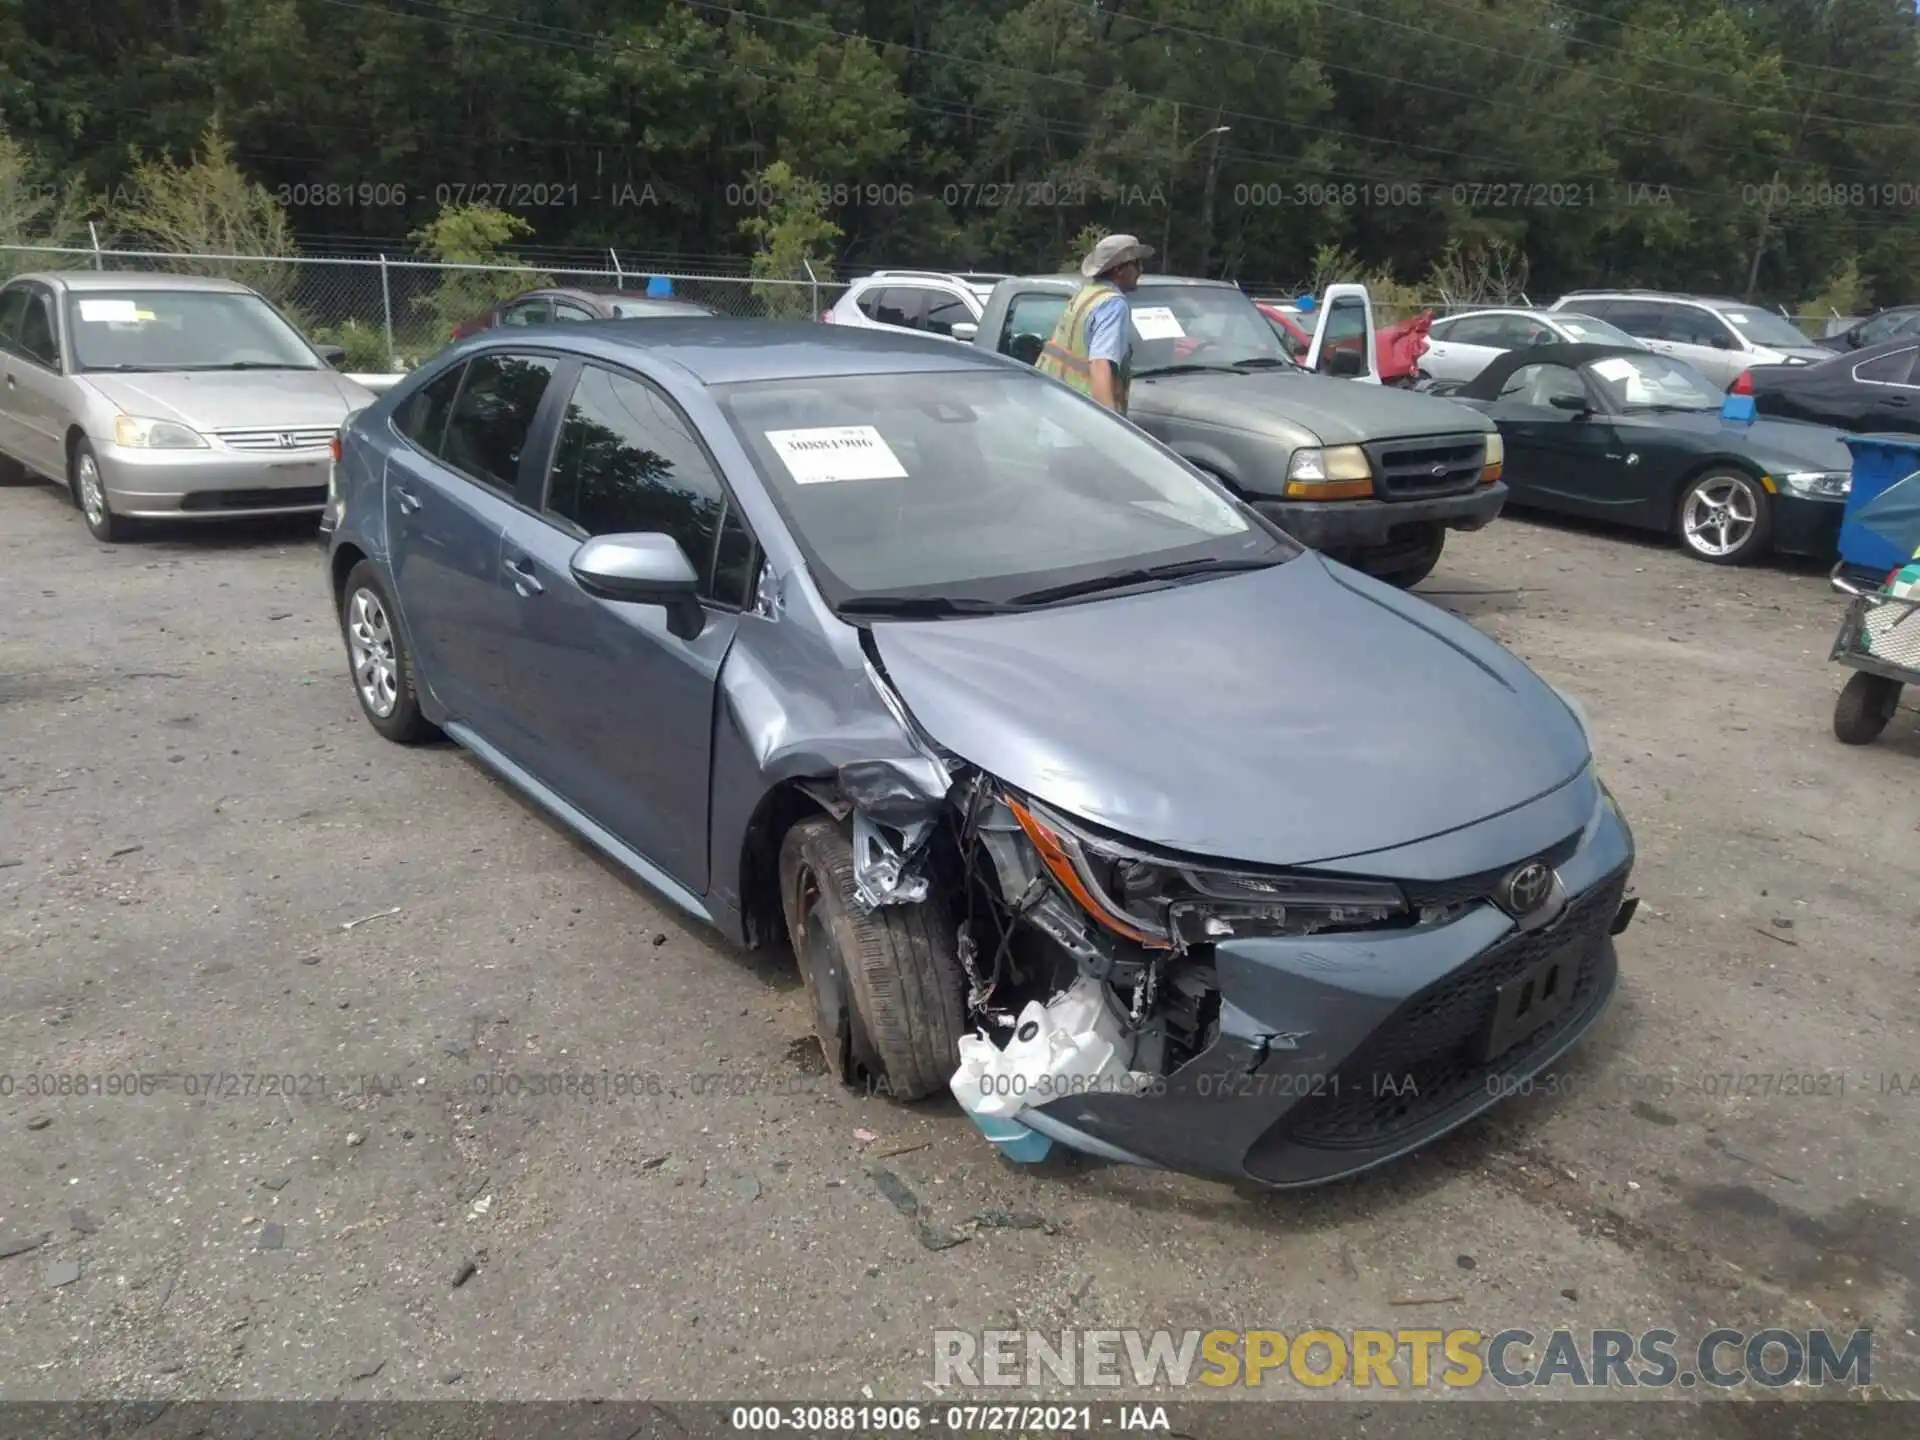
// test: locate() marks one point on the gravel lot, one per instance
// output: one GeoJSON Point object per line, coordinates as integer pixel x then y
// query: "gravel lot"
{"type": "Point", "coordinates": [192, 811]}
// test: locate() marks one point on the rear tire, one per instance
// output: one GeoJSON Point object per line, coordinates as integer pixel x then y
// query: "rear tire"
{"type": "Point", "coordinates": [888, 990]}
{"type": "Point", "coordinates": [378, 661]}
{"type": "Point", "coordinates": [1866, 704]}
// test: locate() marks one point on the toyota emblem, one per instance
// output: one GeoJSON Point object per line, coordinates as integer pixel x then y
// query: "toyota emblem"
{"type": "Point", "coordinates": [1526, 889]}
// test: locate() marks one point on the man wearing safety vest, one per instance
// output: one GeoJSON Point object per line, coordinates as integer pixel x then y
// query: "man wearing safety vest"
{"type": "Point", "coordinates": [1091, 348]}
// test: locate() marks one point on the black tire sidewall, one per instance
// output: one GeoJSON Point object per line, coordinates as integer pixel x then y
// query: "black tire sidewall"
{"type": "Point", "coordinates": [1864, 708]}
{"type": "Point", "coordinates": [405, 724]}
{"type": "Point", "coordinates": [917, 1049]}
{"type": "Point", "coordinates": [1757, 544]}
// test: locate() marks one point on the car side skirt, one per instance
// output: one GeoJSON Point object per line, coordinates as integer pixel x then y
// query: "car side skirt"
{"type": "Point", "coordinates": [576, 820]}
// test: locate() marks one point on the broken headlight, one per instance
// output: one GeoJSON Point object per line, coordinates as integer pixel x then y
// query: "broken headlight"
{"type": "Point", "coordinates": [1164, 904]}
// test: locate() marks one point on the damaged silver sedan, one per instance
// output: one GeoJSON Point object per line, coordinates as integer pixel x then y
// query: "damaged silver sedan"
{"type": "Point", "coordinates": [1078, 789]}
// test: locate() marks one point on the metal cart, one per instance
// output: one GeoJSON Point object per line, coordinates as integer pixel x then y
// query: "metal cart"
{"type": "Point", "coordinates": [1879, 641]}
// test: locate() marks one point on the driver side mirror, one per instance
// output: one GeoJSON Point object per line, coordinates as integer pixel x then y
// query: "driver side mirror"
{"type": "Point", "coordinates": [965, 331]}
{"type": "Point", "coordinates": [642, 569]}
{"type": "Point", "coordinates": [1345, 362]}
{"type": "Point", "coordinates": [1575, 404]}
{"type": "Point", "coordinates": [334, 355]}
{"type": "Point", "coordinates": [1723, 342]}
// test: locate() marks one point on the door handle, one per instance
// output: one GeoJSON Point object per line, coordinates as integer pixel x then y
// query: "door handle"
{"type": "Point", "coordinates": [407, 500]}
{"type": "Point", "coordinates": [525, 582]}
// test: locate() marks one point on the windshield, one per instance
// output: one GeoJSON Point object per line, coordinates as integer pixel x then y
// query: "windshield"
{"type": "Point", "coordinates": [182, 330]}
{"type": "Point", "coordinates": [1763, 327]}
{"type": "Point", "coordinates": [1653, 382]}
{"type": "Point", "coordinates": [1199, 325]}
{"type": "Point", "coordinates": [1586, 330]}
{"type": "Point", "coordinates": [976, 486]}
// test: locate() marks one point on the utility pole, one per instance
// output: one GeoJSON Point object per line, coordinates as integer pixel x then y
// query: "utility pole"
{"type": "Point", "coordinates": [1166, 230]}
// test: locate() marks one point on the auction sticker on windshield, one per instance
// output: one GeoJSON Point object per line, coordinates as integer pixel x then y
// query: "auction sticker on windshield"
{"type": "Point", "coordinates": [1157, 322]}
{"type": "Point", "coordinates": [836, 452]}
{"type": "Point", "coordinates": [110, 312]}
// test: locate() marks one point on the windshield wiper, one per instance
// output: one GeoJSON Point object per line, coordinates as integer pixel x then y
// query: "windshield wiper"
{"type": "Point", "coordinates": [922, 606]}
{"type": "Point", "coordinates": [1190, 367]}
{"type": "Point", "coordinates": [1264, 362]}
{"type": "Point", "coordinates": [1145, 575]}
{"type": "Point", "coordinates": [251, 365]}
{"type": "Point", "coordinates": [125, 369]}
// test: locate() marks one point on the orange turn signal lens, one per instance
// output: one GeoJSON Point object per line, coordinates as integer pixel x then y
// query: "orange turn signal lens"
{"type": "Point", "coordinates": [1329, 489]}
{"type": "Point", "coordinates": [1490, 474]}
{"type": "Point", "coordinates": [1057, 853]}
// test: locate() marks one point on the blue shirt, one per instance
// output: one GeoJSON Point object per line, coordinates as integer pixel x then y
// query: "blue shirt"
{"type": "Point", "coordinates": [1107, 331]}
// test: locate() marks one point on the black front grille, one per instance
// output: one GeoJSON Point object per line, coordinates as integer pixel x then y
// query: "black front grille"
{"type": "Point", "coordinates": [1426, 1057]}
{"type": "Point", "coordinates": [290, 498]}
{"type": "Point", "coordinates": [1468, 888]}
{"type": "Point", "coordinates": [1439, 465]}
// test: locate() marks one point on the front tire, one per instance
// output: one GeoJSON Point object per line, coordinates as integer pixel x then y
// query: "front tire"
{"type": "Point", "coordinates": [378, 660]}
{"type": "Point", "coordinates": [1725, 518]}
{"type": "Point", "coordinates": [1410, 574]}
{"type": "Point", "coordinates": [1866, 704]}
{"type": "Point", "coordinates": [90, 495]}
{"type": "Point", "coordinates": [888, 989]}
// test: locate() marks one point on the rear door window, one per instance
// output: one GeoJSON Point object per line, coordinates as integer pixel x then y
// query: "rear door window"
{"type": "Point", "coordinates": [493, 415]}
{"type": "Point", "coordinates": [37, 334]}
{"type": "Point", "coordinates": [13, 309]}
{"type": "Point", "coordinates": [1894, 368]}
{"type": "Point", "coordinates": [527, 312]}
{"type": "Point", "coordinates": [902, 305]}
{"type": "Point", "coordinates": [1476, 330]}
{"type": "Point", "coordinates": [1688, 326]}
{"type": "Point", "coordinates": [1643, 319]}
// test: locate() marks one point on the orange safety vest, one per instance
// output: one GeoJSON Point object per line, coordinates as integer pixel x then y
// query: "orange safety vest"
{"type": "Point", "coordinates": [1064, 357]}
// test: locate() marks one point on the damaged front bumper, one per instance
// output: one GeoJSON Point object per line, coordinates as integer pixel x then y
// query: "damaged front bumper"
{"type": "Point", "coordinates": [1335, 1053]}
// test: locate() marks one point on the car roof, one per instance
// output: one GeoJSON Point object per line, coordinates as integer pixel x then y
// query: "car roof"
{"type": "Point", "coordinates": [86, 280]}
{"type": "Point", "coordinates": [657, 304]}
{"type": "Point", "coordinates": [1486, 385]}
{"type": "Point", "coordinates": [1676, 296]}
{"type": "Point", "coordinates": [1075, 279]}
{"type": "Point", "coordinates": [722, 351]}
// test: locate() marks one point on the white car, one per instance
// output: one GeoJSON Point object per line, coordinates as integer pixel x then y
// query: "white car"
{"type": "Point", "coordinates": [1719, 338]}
{"type": "Point", "coordinates": [931, 301]}
{"type": "Point", "coordinates": [1461, 346]}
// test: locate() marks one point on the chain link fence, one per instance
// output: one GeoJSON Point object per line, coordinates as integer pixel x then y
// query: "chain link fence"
{"type": "Point", "coordinates": [390, 314]}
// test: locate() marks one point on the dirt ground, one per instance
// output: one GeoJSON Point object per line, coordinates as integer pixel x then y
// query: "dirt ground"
{"type": "Point", "coordinates": [193, 812]}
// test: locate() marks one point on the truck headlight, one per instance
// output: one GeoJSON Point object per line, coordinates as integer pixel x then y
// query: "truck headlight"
{"type": "Point", "coordinates": [139, 433]}
{"type": "Point", "coordinates": [1496, 458]}
{"type": "Point", "coordinates": [1337, 472]}
{"type": "Point", "coordinates": [1161, 903]}
{"type": "Point", "coordinates": [1818, 484]}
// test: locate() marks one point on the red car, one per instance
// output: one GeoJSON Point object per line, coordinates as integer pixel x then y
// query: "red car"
{"type": "Point", "coordinates": [542, 307]}
{"type": "Point", "coordinates": [1397, 349]}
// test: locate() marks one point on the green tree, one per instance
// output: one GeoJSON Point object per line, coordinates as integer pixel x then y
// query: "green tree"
{"type": "Point", "coordinates": [794, 241]}
{"type": "Point", "coordinates": [206, 207]}
{"type": "Point", "coordinates": [36, 210]}
{"type": "Point", "coordinates": [467, 235]}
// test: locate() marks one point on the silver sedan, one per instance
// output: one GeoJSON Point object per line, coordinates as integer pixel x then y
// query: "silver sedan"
{"type": "Point", "coordinates": [165, 397]}
{"type": "Point", "coordinates": [1461, 346]}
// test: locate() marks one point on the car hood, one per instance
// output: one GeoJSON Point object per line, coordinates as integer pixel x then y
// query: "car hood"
{"type": "Point", "coordinates": [1290, 406]}
{"type": "Point", "coordinates": [236, 399]}
{"type": "Point", "coordinates": [1299, 714]}
{"type": "Point", "coordinates": [1777, 444]}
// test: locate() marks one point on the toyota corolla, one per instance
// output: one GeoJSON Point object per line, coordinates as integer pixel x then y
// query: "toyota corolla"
{"type": "Point", "coordinates": [1075, 786]}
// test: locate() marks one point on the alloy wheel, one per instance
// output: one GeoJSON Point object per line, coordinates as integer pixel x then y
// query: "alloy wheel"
{"type": "Point", "coordinates": [376, 672]}
{"type": "Point", "coordinates": [1720, 515]}
{"type": "Point", "coordinates": [93, 495]}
